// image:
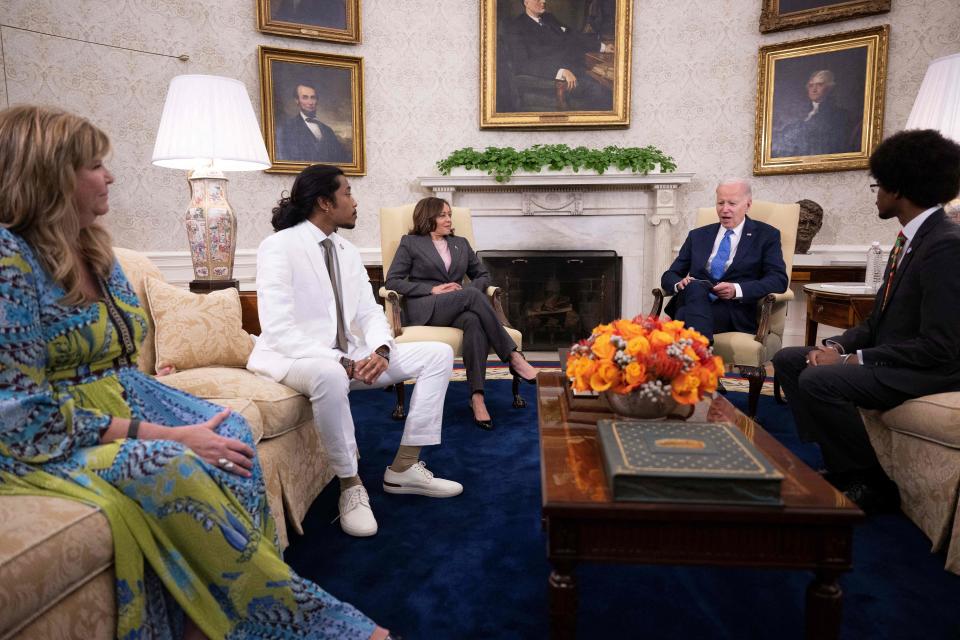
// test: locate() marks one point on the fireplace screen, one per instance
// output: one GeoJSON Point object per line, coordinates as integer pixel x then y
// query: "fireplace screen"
{"type": "Point", "coordinates": [556, 297]}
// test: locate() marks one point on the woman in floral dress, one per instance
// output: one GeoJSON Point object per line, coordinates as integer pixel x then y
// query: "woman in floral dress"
{"type": "Point", "coordinates": [177, 477]}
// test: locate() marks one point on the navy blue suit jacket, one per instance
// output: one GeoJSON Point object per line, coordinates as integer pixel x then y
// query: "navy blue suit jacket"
{"type": "Point", "coordinates": [757, 267]}
{"type": "Point", "coordinates": [914, 342]}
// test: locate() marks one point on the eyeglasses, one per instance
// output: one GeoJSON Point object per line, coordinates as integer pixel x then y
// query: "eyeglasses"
{"type": "Point", "coordinates": [874, 187]}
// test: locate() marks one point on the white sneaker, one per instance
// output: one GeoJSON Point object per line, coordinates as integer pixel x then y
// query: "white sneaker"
{"type": "Point", "coordinates": [356, 516]}
{"type": "Point", "coordinates": [420, 481]}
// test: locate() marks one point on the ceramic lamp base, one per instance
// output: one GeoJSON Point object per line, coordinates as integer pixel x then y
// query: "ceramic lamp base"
{"type": "Point", "coordinates": [211, 227]}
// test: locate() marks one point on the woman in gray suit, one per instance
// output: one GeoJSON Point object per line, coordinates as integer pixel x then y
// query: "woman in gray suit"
{"type": "Point", "coordinates": [428, 271]}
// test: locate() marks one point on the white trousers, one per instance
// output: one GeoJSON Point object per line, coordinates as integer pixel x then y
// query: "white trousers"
{"type": "Point", "coordinates": [325, 382]}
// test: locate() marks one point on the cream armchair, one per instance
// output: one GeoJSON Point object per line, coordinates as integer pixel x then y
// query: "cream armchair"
{"type": "Point", "coordinates": [749, 353]}
{"type": "Point", "coordinates": [396, 222]}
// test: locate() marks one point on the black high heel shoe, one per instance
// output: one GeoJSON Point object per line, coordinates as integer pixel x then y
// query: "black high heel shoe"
{"type": "Point", "coordinates": [516, 375]}
{"type": "Point", "coordinates": [486, 425]}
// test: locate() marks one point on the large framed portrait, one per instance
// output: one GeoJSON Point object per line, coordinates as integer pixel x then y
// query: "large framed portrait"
{"type": "Point", "coordinates": [778, 15]}
{"type": "Point", "coordinates": [556, 66]}
{"type": "Point", "coordinates": [312, 110]}
{"type": "Point", "coordinates": [334, 20]}
{"type": "Point", "coordinates": [820, 102]}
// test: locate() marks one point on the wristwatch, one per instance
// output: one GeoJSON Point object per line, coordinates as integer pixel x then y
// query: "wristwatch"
{"type": "Point", "coordinates": [347, 364]}
{"type": "Point", "coordinates": [384, 352]}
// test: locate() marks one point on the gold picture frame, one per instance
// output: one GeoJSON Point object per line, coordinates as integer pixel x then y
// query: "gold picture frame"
{"type": "Point", "coordinates": [332, 20]}
{"type": "Point", "coordinates": [519, 68]}
{"type": "Point", "coordinates": [820, 102]}
{"type": "Point", "coordinates": [779, 15]}
{"type": "Point", "coordinates": [293, 82]}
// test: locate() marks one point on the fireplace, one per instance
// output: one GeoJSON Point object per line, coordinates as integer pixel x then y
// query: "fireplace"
{"type": "Point", "coordinates": [556, 297]}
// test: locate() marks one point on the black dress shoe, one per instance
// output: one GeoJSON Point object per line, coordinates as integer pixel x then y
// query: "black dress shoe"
{"type": "Point", "coordinates": [514, 373]}
{"type": "Point", "coordinates": [486, 425]}
{"type": "Point", "coordinates": [873, 499]}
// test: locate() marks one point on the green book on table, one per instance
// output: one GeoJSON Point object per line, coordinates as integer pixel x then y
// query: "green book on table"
{"type": "Point", "coordinates": [676, 461]}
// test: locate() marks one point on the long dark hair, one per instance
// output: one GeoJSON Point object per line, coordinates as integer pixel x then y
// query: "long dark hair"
{"type": "Point", "coordinates": [315, 182]}
{"type": "Point", "coordinates": [425, 215]}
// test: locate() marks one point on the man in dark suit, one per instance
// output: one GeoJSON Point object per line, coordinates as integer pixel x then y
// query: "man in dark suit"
{"type": "Point", "coordinates": [542, 47]}
{"type": "Point", "coordinates": [724, 268]}
{"type": "Point", "coordinates": [824, 127]}
{"type": "Point", "coordinates": [909, 346]}
{"type": "Point", "coordinates": [304, 138]}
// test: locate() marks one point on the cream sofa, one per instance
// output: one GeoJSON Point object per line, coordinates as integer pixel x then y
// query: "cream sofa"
{"type": "Point", "coordinates": [918, 445]}
{"type": "Point", "coordinates": [56, 555]}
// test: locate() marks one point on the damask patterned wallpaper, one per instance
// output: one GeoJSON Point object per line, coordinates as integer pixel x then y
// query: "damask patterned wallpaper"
{"type": "Point", "coordinates": [694, 84]}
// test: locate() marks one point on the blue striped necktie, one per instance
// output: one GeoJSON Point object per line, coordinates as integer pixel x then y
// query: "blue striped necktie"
{"type": "Point", "coordinates": [719, 263]}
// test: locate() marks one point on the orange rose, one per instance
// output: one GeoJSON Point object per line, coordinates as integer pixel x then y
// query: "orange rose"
{"type": "Point", "coordinates": [635, 374]}
{"type": "Point", "coordinates": [673, 326]}
{"type": "Point", "coordinates": [602, 348]}
{"type": "Point", "coordinates": [660, 338]}
{"type": "Point", "coordinates": [606, 376]}
{"type": "Point", "coordinates": [684, 388]}
{"type": "Point", "coordinates": [628, 329]}
{"type": "Point", "coordinates": [580, 373]}
{"type": "Point", "coordinates": [708, 380]}
{"type": "Point", "coordinates": [638, 346]}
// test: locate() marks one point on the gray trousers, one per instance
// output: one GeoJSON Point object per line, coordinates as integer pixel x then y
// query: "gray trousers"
{"type": "Point", "coordinates": [470, 311]}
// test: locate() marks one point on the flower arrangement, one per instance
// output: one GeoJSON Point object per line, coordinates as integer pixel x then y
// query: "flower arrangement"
{"type": "Point", "coordinates": [658, 358]}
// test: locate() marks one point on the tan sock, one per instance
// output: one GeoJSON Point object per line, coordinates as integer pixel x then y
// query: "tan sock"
{"type": "Point", "coordinates": [346, 483]}
{"type": "Point", "coordinates": [406, 458]}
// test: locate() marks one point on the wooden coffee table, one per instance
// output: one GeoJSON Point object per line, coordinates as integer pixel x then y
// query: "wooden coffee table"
{"type": "Point", "coordinates": [813, 530]}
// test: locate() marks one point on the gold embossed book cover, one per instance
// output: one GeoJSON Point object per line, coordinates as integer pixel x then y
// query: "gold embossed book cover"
{"type": "Point", "coordinates": [676, 461]}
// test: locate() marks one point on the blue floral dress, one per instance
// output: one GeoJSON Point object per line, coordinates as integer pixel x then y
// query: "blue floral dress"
{"type": "Point", "coordinates": [188, 537]}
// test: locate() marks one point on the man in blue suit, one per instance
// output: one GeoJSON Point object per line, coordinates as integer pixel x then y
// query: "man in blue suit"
{"type": "Point", "coordinates": [724, 268]}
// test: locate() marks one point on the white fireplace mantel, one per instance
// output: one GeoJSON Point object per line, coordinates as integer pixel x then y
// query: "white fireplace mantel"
{"type": "Point", "coordinates": [619, 210]}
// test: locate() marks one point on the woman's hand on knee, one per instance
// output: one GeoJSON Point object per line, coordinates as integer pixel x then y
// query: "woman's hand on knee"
{"type": "Point", "coordinates": [445, 288]}
{"type": "Point", "coordinates": [229, 454]}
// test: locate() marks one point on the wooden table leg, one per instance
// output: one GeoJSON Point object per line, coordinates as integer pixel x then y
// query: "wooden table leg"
{"type": "Point", "coordinates": [824, 606]}
{"type": "Point", "coordinates": [810, 337]}
{"type": "Point", "coordinates": [563, 602]}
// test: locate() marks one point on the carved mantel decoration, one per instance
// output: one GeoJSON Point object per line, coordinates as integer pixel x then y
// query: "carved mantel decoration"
{"type": "Point", "coordinates": [627, 212]}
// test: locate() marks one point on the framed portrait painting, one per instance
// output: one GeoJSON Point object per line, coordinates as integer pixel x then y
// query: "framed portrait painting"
{"type": "Point", "coordinates": [778, 15]}
{"type": "Point", "coordinates": [556, 66]}
{"type": "Point", "coordinates": [820, 102]}
{"type": "Point", "coordinates": [312, 110]}
{"type": "Point", "coordinates": [334, 20]}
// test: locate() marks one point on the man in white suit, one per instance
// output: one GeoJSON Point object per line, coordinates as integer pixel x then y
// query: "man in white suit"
{"type": "Point", "coordinates": [324, 335]}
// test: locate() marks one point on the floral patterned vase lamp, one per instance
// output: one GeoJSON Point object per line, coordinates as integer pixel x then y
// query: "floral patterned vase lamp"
{"type": "Point", "coordinates": [208, 126]}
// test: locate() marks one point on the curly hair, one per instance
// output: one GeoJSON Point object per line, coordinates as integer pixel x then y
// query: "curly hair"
{"type": "Point", "coordinates": [921, 165]}
{"type": "Point", "coordinates": [425, 215]}
{"type": "Point", "coordinates": [41, 150]}
{"type": "Point", "coordinates": [315, 182]}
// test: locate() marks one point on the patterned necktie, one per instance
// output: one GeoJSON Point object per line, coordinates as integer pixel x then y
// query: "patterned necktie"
{"type": "Point", "coordinates": [719, 263]}
{"type": "Point", "coordinates": [330, 259]}
{"type": "Point", "coordinates": [892, 267]}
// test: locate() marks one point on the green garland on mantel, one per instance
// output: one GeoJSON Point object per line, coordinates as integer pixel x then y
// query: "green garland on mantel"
{"type": "Point", "coordinates": [503, 162]}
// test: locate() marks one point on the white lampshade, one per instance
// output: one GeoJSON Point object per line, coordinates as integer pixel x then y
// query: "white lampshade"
{"type": "Point", "coordinates": [209, 119]}
{"type": "Point", "coordinates": [938, 101]}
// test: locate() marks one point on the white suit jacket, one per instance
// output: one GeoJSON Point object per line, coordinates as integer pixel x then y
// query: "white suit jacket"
{"type": "Point", "coordinates": [297, 308]}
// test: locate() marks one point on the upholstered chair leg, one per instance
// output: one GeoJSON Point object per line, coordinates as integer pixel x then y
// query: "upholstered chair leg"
{"type": "Point", "coordinates": [518, 402]}
{"type": "Point", "coordinates": [398, 411]}
{"type": "Point", "coordinates": [755, 375]}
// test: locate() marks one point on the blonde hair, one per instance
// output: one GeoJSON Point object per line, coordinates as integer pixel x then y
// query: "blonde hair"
{"type": "Point", "coordinates": [41, 150]}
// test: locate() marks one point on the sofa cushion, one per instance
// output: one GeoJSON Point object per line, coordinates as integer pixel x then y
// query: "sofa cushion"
{"type": "Point", "coordinates": [281, 408]}
{"type": "Point", "coordinates": [935, 418]}
{"type": "Point", "coordinates": [193, 330]}
{"type": "Point", "coordinates": [49, 547]}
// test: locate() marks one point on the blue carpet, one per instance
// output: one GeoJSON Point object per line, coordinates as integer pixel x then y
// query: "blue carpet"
{"type": "Point", "coordinates": [474, 566]}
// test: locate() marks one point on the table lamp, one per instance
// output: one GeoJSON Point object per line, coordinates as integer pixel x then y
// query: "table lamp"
{"type": "Point", "coordinates": [208, 127]}
{"type": "Point", "coordinates": [938, 107]}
